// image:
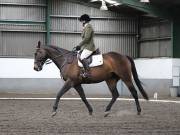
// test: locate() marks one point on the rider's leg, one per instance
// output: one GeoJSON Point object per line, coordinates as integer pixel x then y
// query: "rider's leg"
{"type": "Point", "coordinates": [85, 64]}
{"type": "Point", "coordinates": [85, 53]}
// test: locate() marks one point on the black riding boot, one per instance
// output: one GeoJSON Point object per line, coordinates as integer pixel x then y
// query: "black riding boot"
{"type": "Point", "coordinates": [86, 68]}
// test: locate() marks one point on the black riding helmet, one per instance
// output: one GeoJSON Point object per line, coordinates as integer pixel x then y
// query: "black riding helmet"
{"type": "Point", "coordinates": [84, 17]}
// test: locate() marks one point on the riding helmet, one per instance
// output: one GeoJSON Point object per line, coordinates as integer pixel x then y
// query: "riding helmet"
{"type": "Point", "coordinates": [84, 17]}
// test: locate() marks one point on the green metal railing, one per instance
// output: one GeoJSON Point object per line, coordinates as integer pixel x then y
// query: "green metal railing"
{"type": "Point", "coordinates": [22, 22]}
{"type": "Point", "coordinates": [48, 22]}
{"type": "Point", "coordinates": [176, 38]}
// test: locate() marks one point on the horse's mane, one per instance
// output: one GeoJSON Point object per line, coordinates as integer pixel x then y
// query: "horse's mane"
{"type": "Point", "coordinates": [57, 48]}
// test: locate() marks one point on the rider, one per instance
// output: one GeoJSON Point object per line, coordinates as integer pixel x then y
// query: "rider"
{"type": "Point", "coordinates": [87, 44]}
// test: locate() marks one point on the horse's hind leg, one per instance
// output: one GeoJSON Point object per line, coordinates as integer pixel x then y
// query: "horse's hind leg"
{"type": "Point", "coordinates": [113, 89]}
{"type": "Point", "coordinates": [80, 91]}
{"type": "Point", "coordinates": [134, 94]}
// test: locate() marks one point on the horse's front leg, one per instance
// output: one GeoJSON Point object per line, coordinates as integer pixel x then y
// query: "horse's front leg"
{"type": "Point", "coordinates": [80, 91]}
{"type": "Point", "coordinates": [64, 89]}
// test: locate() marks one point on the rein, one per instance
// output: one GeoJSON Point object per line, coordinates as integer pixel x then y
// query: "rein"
{"type": "Point", "coordinates": [61, 55]}
{"type": "Point", "coordinates": [48, 61]}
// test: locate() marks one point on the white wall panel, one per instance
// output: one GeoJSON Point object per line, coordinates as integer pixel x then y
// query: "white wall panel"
{"type": "Point", "coordinates": [32, 13]}
{"type": "Point", "coordinates": [20, 43]}
{"type": "Point", "coordinates": [156, 38]}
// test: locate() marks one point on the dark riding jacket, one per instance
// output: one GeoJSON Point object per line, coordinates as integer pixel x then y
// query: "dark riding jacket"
{"type": "Point", "coordinates": [87, 38]}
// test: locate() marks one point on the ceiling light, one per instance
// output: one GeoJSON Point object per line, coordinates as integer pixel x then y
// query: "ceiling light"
{"type": "Point", "coordinates": [110, 2]}
{"type": "Point", "coordinates": [113, 3]}
{"type": "Point", "coordinates": [145, 1]}
{"type": "Point", "coordinates": [103, 6]}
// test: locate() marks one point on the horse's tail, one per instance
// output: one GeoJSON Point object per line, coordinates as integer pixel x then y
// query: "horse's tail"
{"type": "Point", "coordinates": [136, 78]}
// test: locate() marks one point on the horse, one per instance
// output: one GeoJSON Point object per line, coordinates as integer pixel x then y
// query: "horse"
{"type": "Point", "coordinates": [115, 67]}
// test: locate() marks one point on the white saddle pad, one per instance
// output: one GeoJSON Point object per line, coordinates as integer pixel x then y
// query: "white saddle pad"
{"type": "Point", "coordinates": [97, 60]}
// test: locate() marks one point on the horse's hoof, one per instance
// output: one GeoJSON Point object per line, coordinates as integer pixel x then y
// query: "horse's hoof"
{"type": "Point", "coordinates": [90, 113]}
{"type": "Point", "coordinates": [53, 113]}
{"type": "Point", "coordinates": [138, 113]}
{"type": "Point", "coordinates": [106, 113]}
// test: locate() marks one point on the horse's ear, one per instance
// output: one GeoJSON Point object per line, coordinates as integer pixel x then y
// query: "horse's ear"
{"type": "Point", "coordinates": [39, 44]}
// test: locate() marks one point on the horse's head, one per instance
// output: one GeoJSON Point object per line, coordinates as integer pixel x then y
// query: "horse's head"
{"type": "Point", "coordinates": [40, 56]}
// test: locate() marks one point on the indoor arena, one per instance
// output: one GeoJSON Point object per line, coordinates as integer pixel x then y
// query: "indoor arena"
{"type": "Point", "coordinates": [45, 91]}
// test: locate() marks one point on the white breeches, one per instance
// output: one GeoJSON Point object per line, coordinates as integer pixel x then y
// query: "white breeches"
{"type": "Point", "coordinates": [85, 53]}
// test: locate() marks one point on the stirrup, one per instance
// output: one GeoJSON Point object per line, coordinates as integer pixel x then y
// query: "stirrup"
{"type": "Point", "coordinates": [85, 74]}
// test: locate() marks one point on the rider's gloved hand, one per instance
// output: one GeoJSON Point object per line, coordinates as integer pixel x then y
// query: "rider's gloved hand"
{"type": "Point", "coordinates": [78, 48]}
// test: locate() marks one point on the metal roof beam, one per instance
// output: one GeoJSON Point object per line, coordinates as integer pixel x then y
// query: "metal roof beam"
{"type": "Point", "coordinates": [147, 8]}
{"type": "Point", "coordinates": [48, 22]}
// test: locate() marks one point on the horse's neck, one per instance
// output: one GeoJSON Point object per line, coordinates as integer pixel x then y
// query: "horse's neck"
{"type": "Point", "coordinates": [57, 55]}
{"type": "Point", "coordinates": [54, 52]}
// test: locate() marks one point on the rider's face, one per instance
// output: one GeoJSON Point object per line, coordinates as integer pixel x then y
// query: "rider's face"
{"type": "Point", "coordinates": [83, 23]}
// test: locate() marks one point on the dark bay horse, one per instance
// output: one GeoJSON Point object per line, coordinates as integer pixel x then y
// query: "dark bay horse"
{"type": "Point", "coordinates": [114, 68]}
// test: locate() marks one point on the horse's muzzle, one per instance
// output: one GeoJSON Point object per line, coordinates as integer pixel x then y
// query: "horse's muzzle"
{"type": "Point", "coordinates": [37, 68]}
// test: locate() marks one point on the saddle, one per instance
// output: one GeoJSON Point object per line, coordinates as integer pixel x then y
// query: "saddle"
{"type": "Point", "coordinates": [95, 59]}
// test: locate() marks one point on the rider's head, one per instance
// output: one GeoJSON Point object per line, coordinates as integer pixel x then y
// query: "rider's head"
{"type": "Point", "coordinates": [84, 18]}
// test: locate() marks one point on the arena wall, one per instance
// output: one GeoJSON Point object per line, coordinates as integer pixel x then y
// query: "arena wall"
{"type": "Point", "coordinates": [18, 76]}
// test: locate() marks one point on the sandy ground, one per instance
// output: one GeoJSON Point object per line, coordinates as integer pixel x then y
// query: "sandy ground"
{"type": "Point", "coordinates": [32, 117]}
{"type": "Point", "coordinates": [73, 94]}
